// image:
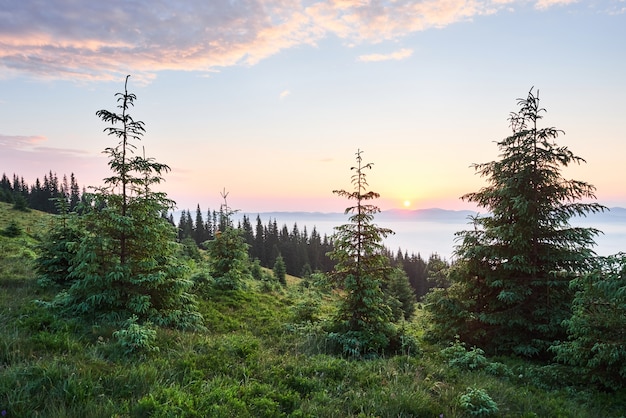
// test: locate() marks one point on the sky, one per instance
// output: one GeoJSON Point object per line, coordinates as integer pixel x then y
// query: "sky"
{"type": "Point", "coordinates": [270, 100]}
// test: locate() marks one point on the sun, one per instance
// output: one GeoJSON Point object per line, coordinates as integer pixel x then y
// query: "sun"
{"type": "Point", "coordinates": [407, 203]}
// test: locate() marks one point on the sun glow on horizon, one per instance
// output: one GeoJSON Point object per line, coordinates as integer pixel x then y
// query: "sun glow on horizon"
{"type": "Point", "coordinates": [407, 203]}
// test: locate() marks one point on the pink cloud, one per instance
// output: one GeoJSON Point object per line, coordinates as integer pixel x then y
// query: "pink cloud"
{"type": "Point", "coordinates": [20, 142]}
{"type": "Point", "coordinates": [90, 40]}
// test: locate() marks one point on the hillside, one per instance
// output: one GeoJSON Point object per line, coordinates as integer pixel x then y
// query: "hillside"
{"type": "Point", "coordinates": [262, 354]}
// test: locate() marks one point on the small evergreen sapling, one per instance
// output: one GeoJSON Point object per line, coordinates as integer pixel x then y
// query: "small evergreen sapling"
{"type": "Point", "coordinates": [228, 252]}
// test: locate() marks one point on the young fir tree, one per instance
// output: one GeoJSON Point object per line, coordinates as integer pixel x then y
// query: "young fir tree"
{"type": "Point", "coordinates": [280, 270]}
{"type": "Point", "coordinates": [228, 252]}
{"type": "Point", "coordinates": [510, 291]}
{"type": "Point", "coordinates": [58, 247]}
{"type": "Point", "coordinates": [124, 268]}
{"type": "Point", "coordinates": [363, 324]}
{"type": "Point", "coordinates": [597, 337]}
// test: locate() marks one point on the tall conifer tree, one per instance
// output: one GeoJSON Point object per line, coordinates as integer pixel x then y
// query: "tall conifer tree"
{"type": "Point", "coordinates": [363, 323]}
{"type": "Point", "coordinates": [510, 291]}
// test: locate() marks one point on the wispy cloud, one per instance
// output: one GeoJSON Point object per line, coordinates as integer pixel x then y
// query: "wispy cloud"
{"type": "Point", "coordinates": [397, 55]}
{"type": "Point", "coordinates": [546, 4]}
{"type": "Point", "coordinates": [25, 155]}
{"type": "Point", "coordinates": [20, 142]}
{"type": "Point", "coordinates": [284, 94]}
{"type": "Point", "coordinates": [89, 40]}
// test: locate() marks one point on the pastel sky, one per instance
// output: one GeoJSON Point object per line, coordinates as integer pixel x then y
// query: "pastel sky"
{"type": "Point", "coordinates": [270, 99]}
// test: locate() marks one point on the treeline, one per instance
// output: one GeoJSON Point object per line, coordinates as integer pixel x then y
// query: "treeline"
{"type": "Point", "coordinates": [40, 195]}
{"type": "Point", "coordinates": [303, 252]}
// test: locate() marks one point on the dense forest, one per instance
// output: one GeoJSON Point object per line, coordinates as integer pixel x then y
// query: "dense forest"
{"type": "Point", "coordinates": [303, 253]}
{"type": "Point", "coordinates": [109, 309]}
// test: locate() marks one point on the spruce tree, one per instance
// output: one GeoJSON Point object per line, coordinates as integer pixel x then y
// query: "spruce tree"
{"type": "Point", "coordinates": [199, 232]}
{"type": "Point", "coordinates": [228, 252]}
{"type": "Point", "coordinates": [510, 291]}
{"type": "Point", "coordinates": [597, 337]}
{"type": "Point", "coordinates": [124, 268]}
{"type": "Point", "coordinates": [363, 323]}
{"type": "Point", "coordinates": [280, 270]}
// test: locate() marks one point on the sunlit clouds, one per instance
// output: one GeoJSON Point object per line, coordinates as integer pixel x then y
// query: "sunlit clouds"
{"type": "Point", "coordinates": [271, 98]}
{"type": "Point", "coordinates": [90, 40]}
{"type": "Point", "coordinates": [8, 142]}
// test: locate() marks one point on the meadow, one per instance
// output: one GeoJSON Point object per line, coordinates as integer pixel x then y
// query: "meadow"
{"type": "Point", "coordinates": [262, 354]}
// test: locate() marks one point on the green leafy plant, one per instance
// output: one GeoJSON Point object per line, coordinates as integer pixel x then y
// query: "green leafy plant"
{"type": "Point", "coordinates": [476, 402]}
{"type": "Point", "coordinates": [135, 338]}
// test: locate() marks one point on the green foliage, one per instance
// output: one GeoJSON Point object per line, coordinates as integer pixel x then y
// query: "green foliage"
{"type": "Point", "coordinates": [510, 291]}
{"type": "Point", "coordinates": [597, 342]}
{"type": "Point", "coordinates": [307, 310]}
{"type": "Point", "coordinates": [248, 363]}
{"type": "Point", "coordinates": [228, 259]}
{"type": "Point", "coordinates": [280, 270]}
{"type": "Point", "coordinates": [125, 265]}
{"type": "Point", "coordinates": [477, 403]}
{"type": "Point", "coordinates": [474, 359]}
{"type": "Point", "coordinates": [363, 322]}
{"type": "Point", "coordinates": [228, 253]}
{"type": "Point", "coordinates": [136, 338]}
{"type": "Point", "coordinates": [57, 251]}
{"type": "Point", "coordinates": [189, 249]}
{"type": "Point", "coordinates": [399, 295]}
{"type": "Point", "coordinates": [12, 230]}
{"type": "Point", "coordinates": [20, 203]}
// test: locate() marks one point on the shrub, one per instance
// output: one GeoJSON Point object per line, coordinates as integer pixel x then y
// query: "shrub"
{"type": "Point", "coordinates": [136, 338]}
{"type": "Point", "coordinates": [12, 230]}
{"type": "Point", "coordinates": [478, 403]}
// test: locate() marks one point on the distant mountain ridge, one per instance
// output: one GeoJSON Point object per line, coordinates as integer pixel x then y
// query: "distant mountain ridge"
{"type": "Point", "coordinates": [433, 214]}
{"type": "Point", "coordinates": [615, 214]}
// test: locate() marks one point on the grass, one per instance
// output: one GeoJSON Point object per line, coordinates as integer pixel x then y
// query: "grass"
{"type": "Point", "coordinates": [262, 355]}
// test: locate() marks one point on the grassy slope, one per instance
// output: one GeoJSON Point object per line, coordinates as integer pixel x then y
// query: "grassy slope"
{"type": "Point", "coordinates": [257, 358]}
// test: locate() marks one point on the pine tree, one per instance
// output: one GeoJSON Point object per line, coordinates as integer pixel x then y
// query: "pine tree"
{"type": "Point", "coordinates": [510, 291]}
{"type": "Point", "coordinates": [363, 324]}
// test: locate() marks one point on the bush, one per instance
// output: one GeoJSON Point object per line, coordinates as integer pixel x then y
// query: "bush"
{"type": "Point", "coordinates": [12, 230]}
{"type": "Point", "coordinates": [136, 338]}
{"type": "Point", "coordinates": [478, 403]}
{"type": "Point", "coordinates": [474, 359]}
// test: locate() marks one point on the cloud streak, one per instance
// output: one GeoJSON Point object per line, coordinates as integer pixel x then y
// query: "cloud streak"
{"type": "Point", "coordinates": [88, 40]}
{"type": "Point", "coordinates": [396, 56]}
{"type": "Point", "coordinates": [20, 142]}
